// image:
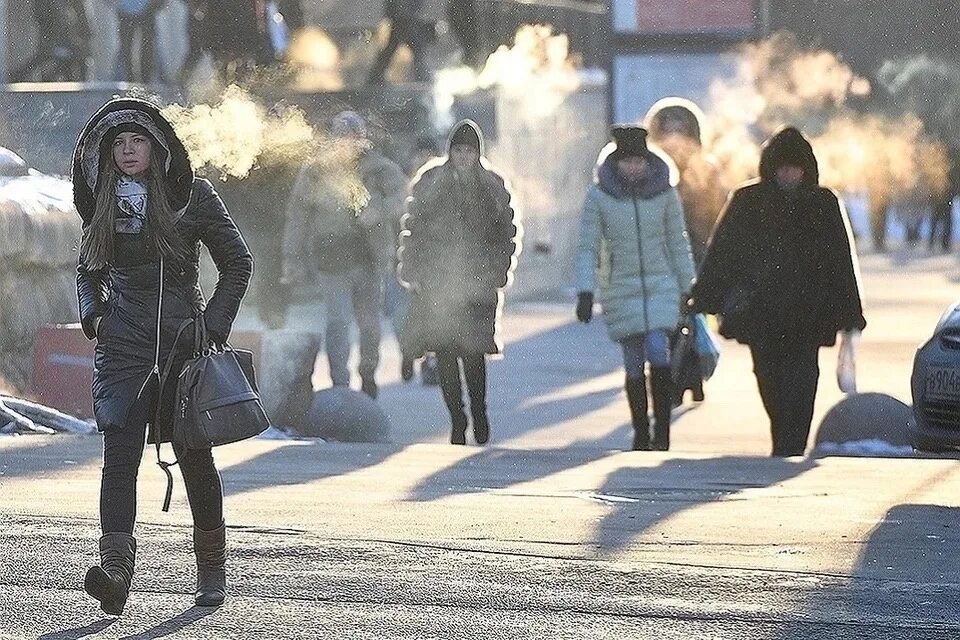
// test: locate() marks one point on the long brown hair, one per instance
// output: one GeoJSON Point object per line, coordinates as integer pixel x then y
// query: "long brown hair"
{"type": "Point", "coordinates": [96, 243]}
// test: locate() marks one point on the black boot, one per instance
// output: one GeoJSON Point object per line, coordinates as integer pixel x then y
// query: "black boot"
{"type": "Point", "coordinates": [210, 548]}
{"type": "Point", "coordinates": [448, 374]}
{"type": "Point", "coordinates": [481, 424]}
{"type": "Point", "coordinates": [661, 388]}
{"type": "Point", "coordinates": [637, 399]}
{"type": "Point", "coordinates": [110, 582]}
{"type": "Point", "coordinates": [475, 371]}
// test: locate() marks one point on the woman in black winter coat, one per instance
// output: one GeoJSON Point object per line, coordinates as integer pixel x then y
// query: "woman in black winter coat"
{"type": "Point", "coordinates": [457, 252]}
{"type": "Point", "coordinates": [144, 216]}
{"type": "Point", "coordinates": [781, 274]}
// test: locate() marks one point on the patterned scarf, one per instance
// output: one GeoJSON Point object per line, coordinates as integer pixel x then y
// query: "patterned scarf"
{"type": "Point", "coordinates": [132, 206]}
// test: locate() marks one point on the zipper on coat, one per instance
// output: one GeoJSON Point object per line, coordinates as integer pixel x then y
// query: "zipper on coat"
{"type": "Point", "coordinates": [643, 271]}
{"type": "Point", "coordinates": [156, 359]}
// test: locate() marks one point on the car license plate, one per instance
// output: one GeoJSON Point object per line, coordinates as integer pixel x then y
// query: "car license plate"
{"type": "Point", "coordinates": [943, 382]}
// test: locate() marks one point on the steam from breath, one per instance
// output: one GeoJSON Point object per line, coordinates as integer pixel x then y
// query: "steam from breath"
{"type": "Point", "coordinates": [534, 79]}
{"type": "Point", "coordinates": [238, 134]}
{"type": "Point", "coordinates": [538, 67]}
{"type": "Point", "coordinates": [779, 83]}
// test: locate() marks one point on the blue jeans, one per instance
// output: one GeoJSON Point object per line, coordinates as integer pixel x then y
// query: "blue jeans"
{"type": "Point", "coordinates": [354, 295]}
{"type": "Point", "coordinates": [640, 348]}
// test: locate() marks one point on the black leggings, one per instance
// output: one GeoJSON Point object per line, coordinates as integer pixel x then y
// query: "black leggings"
{"type": "Point", "coordinates": [122, 452]}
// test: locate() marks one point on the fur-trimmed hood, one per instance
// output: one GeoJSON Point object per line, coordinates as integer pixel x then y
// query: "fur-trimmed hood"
{"type": "Point", "coordinates": [87, 155]}
{"type": "Point", "coordinates": [659, 178]}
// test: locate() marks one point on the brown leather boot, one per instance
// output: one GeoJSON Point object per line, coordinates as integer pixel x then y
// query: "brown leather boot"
{"type": "Point", "coordinates": [210, 547]}
{"type": "Point", "coordinates": [110, 582]}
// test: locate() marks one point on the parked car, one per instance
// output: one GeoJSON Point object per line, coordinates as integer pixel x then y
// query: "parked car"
{"type": "Point", "coordinates": [935, 385]}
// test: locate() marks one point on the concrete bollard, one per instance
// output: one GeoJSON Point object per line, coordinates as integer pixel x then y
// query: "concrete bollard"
{"type": "Point", "coordinates": [865, 424]}
{"type": "Point", "coordinates": [284, 363]}
{"type": "Point", "coordinates": [345, 415]}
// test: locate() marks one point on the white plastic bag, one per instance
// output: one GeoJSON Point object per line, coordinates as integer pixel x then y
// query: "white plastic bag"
{"type": "Point", "coordinates": [847, 361]}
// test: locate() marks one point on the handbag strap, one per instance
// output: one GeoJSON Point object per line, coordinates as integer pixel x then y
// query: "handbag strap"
{"type": "Point", "coordinates": [162, 379]}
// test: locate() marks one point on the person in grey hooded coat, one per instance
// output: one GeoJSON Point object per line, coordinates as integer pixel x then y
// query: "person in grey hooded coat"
{"type": "Point", "coordinates": [458, 249]}
{"type": "Point", "coordinates": [632, 236]}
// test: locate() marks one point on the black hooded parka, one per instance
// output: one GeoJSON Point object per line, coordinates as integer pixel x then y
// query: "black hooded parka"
{"type": "Point", "coordinates": [125, 294]}
{"type": "Point", "coordinates": [780, 265]}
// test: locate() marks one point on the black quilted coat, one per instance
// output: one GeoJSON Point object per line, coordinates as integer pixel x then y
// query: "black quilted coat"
{"type": "Point", "coordinates": [125, 294]}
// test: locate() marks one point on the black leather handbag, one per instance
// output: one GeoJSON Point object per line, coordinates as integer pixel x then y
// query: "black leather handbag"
{"type": "Point", "coordinates": [217, 401]}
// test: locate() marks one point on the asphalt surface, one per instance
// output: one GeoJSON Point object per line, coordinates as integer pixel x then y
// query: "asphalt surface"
{"type": "Point", "coordinates": [552, 531]}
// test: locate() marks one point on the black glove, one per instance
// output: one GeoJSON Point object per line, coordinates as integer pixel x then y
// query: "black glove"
{"type": "Point", "coordinates": [585, 306]}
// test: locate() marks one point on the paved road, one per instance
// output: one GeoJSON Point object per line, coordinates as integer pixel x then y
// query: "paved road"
{"type": "Point", "coordinates": [553, 532]}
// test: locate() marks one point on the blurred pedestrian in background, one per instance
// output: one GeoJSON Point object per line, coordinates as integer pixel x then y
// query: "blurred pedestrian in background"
{"type": "Point", "coordinates": [144, 218]}
{"type": "Point", "coordinates": [339, 229]}
{"type": "Point", "coordinates": [137, 20]}
{"type": "Point", "coordinates": [198, 37]}
{"type": "Point", "coordinates": [781, 273]}
{"type": "Point", "coordinates": [63, 48]}
{"type": "Point", "coordinates": [676, 127]}
{"type": "Point", "coordinates": [465, 25]}
{"type": "Point", "coordinates": [239, 37]}
{"type": "Point", "coordinates": [457, 253]}
{"type": "Point", "coordinates": [407, 26]}
{"type": "Point", "coordinates": [941, 220]}
{"type": "Point", "coordinates": [634, 248]}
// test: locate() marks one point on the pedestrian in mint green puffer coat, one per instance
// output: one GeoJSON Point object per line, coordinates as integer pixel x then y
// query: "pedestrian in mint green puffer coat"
{"type": "Point", "coordinates": [633, 246]}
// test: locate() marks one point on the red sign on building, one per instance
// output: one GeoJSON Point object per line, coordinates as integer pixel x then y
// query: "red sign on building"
{"type": "Point", "coordinates": [684, 16]}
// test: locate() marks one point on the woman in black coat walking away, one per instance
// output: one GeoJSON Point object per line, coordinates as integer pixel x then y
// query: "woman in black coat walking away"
{"type": "Point", "coordinates": [144, 216]}
{"type": "Point", "coordinates": [781, 274]}
{"type": "Point", "coordinates": [457, 252]}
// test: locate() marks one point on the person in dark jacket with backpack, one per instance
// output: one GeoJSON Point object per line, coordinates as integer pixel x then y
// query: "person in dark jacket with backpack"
{"type": "Point", "coordinates": [633, 246]}
{"type": "Point", "coordinates": [458, 250]}
{"type": "Point", "coordinates": [144, 217]}
{"type": "Point", "coordinates": [781, 273]}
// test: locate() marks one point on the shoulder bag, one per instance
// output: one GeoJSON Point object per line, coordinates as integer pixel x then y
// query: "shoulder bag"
{"type": "Point", "coordinates": [216, 401]}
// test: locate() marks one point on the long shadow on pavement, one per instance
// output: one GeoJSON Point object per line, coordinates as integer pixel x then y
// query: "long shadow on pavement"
{"type": "Point", "coordinates": [474, 474]}
{"type": "Point", "coordinates": [906, 583]}
{"type": "Point", "coordinates": [640, 497]}
{"type": "Point", "coordinates": [301, 462]}
{"type": "Point", "coordinates": [80, 632]}
{"type": "Point", "coordinates": [49, 453]}
{"type": "Point", "coordinates": [173, 625]}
